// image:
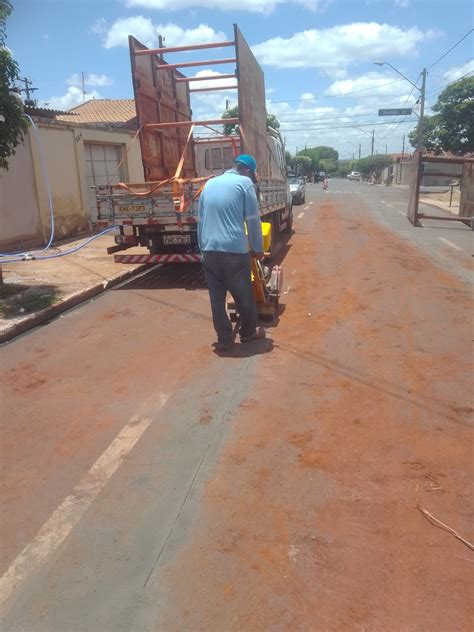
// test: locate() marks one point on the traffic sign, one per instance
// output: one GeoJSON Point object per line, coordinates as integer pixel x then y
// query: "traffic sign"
{"type": "Point", "coordinates": [396, 112]}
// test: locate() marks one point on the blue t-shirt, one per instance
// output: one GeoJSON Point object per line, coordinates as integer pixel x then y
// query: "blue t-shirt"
{"type": "Point", "coordinates": [225, 203]}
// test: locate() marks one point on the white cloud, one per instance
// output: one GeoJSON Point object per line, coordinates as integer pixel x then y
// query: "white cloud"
{"type": "Point", "coordinates": [99, 26]}
{"type": "Point", "coordinates": [147, 33]}
{"type": "Point", "coordinates": [403, 4]}
{"type": "Point", "coordinates": [72, 98]}
{"type": "Point", "coordinates": [89, 80]}
{"type": "Point", "coordinates": [385, 85]}
{"type": "Point", "coordinates": [456, 72]}
{"type": "Point", "coordinates": [264, 7]}
{"type": "Point", "coordinates": [335, 48]}
{"type": "Point", "coordinates": [212, 83]}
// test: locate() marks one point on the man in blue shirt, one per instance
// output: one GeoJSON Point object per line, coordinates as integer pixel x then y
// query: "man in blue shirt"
{"type": "Point", "coordinates": [226, 202]}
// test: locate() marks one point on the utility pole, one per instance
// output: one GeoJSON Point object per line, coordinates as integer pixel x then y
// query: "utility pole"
{"type": "Point", "coordinates": [373, 140]}
{"type": "Point", "coordinates": [227, 105]}
{"type": "Point", "coordinates": [386, 150]}
{"type": "Point", "coordinates": [360, 147]}
{"type": "Point", "coordinates": [83, 88]}
{"type": "Point", "coordinates": [28, 90]}
{"type": "Point", "coordinates": [161, 44]}
{"type": "Point", "coordinates": [353, 156]}
{"type": "Point", "coordinates": [419, 143]}
{"type": "Point", "coordinates": [403, 147]}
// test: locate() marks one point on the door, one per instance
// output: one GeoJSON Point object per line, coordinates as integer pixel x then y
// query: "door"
{"type": "Point", "coordinates": [102, 167]}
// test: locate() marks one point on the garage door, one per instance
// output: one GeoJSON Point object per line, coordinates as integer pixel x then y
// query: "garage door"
{"type": "Point", "coordinates": [102, 167]}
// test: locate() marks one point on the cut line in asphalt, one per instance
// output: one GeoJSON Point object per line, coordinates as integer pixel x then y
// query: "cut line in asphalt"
{"type": "Point", "coordinates": [300, 215]}
{"type": "Point", "coordinates": [450, 243]}
{"type": "Point", "coordinates": [306, 207]}
{"type": "Point", "coordinates": [60, 524]}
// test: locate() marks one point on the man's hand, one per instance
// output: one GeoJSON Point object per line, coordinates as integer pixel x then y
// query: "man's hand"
{"type": "Point", "coordinates": [258, 255]}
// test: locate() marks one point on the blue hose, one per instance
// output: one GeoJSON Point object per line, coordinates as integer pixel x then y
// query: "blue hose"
{"type": "Point", "coordinates": [30, 257]}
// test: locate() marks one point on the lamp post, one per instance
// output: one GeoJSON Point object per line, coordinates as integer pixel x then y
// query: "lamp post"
{"type": "Point", "coordinates": [419, 140]}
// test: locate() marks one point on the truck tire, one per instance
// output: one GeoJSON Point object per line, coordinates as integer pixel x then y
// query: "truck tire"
{"type": "Point", "coordinates": [289, 222]}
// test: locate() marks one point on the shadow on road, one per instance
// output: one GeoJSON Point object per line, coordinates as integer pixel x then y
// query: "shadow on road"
{"type": "Point", "coordinates": [247, 350]}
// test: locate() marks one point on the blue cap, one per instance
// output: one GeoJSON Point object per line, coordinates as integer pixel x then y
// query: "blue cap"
{"type": "Point", "coordinates": [248, 161]}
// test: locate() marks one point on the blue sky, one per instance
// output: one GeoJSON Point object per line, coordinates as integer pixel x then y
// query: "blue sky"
{"type": "Point", "coordinates": [312, 52]}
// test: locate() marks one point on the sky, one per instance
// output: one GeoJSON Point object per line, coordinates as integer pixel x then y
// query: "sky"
{"type": "Point", "coordinates": [317, 56]}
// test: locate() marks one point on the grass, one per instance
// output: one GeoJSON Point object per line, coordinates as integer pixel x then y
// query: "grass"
{"type": "Point", "coordinates": [16, 303]}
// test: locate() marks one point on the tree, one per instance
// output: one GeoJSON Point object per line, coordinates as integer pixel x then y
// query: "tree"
{"type": "Point", "coordinates": [452, 127]}
{"type": "Point", "coordinates": [229, 128]}
{"type": "Point", "coordinates": [344, 167]}
{"type": "Point", "coordinates": [373, 166]}
{"type": "Point", "coordinates": [303, 165]}
{"type": "Point", "coordinates": [13, 123]}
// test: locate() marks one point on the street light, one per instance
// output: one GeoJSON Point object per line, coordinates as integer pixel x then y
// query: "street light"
{"type": "Point", "coordinates": [419, 141]}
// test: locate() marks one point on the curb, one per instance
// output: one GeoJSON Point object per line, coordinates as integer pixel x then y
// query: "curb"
{"type": "Point", "coordinates": [63, 305]}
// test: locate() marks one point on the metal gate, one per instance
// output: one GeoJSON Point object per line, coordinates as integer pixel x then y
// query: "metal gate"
{"type": "Point", "coordinates": [443, 168]}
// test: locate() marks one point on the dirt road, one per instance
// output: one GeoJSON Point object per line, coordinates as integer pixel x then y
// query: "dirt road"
{"type": "Point", "coordinates": [149, 484]}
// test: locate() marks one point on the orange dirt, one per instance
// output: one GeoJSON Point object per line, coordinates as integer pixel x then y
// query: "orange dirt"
{"type": "Point", "coordinates": [310, 521]}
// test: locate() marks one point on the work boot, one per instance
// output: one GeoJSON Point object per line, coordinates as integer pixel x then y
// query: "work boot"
{"type": "Point", "coordinates": [258, 333]}
{"type": "Point", "coordinates": [223, 345]}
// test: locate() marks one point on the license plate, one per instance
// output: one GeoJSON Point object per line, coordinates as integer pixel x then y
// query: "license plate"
{"type": "Point", "coordinates": [132, 208]}
{"type": "Point", "coordinates": [176, 240]}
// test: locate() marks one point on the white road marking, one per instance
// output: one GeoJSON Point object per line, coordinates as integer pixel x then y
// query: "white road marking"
{"type": "Point", "coordinates": [287, 290]}
{"type": "Point", "coordinates": [300, 215]}
{"type": "Point", "coordinates": [383, 201]}
{"type": "Point", "coordinates": [402, 213]}
{"type": "Point", "coordinates": [60, 524]}
{"type": "Point", "coordinates": [293, 273]}
{"type": "Point", "coordinates": [450, 243]}
{"type": "Point", "coordinates": [306, 207]}
{"type": "Point", "coordinates": [310, 203]}
{"type": "Point", "coordinates": [391, 205]}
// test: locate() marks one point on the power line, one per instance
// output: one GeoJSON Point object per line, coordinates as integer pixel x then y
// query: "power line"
{"type": "Point", "coordinates": [404, 105]}
{"type": "Point", "coordinates": [342, 94]}
{"type": "Point", "coordinates": [450, 83]}
{"type": "Point", "coordinates": [312, 129]}
{"type": "Point", "coordinates": [452, 48]}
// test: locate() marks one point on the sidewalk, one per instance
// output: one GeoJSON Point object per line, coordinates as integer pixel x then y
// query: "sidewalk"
{"type": "Point", "coordinates": [36, 291]}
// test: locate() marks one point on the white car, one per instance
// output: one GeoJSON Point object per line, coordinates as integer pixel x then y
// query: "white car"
{"type": "Point", "coordinates": [354, 175]}
{"type": "Point", "coordinates": [297, 189]}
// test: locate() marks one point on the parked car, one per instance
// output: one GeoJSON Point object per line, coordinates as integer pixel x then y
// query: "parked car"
{"type": "Point", "coordinates": [319, 176]}
{"type": "Point", "coordinates": [354, 175]}
{"type": "Point", "coordinates": [297, 189]}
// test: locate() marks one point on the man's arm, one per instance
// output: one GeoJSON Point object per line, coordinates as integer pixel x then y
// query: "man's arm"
{"type": "Point", "coordinates": [252, 219]}
{"type": "Point", "coordinates": [200, 215]}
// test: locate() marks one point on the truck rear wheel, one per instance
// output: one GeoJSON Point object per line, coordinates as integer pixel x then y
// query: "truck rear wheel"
{"type": "Point", "coordinates": [289, 222]}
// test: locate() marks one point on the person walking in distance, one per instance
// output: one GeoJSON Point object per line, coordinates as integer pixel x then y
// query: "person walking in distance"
{"type": "Point", "coordinates": [227, 203]}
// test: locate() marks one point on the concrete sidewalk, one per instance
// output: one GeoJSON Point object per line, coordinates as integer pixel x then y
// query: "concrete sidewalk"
{"type": "Point", "coordinates": [36, 291]}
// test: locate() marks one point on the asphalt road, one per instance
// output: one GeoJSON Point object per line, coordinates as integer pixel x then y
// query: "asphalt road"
{"type": "Point", "coordinates": [150, 484]}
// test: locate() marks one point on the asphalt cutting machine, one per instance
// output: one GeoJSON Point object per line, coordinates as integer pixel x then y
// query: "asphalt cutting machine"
{"type": "Point", "coordinates": [267, 282]}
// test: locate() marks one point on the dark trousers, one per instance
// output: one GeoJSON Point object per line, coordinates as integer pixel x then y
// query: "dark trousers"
{"type": "Point", "coordinates": [230, 272]}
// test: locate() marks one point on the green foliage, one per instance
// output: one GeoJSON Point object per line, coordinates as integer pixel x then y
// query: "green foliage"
{"type": "Point", "coordinates": [289, 159]}
{"type": "Point", "coordinates": [452, 127]}
{"type": "Point", "coordinates": [229, 128]}
{"type": "Point", "coordinates": [13, 123]}
{"type": "Point", "coordinates": [372, 166]}
{"type": "Point", "coordinates": [5, 10]}
{"type": "Point", "coordinates": [302, 164]}
{"type": "Point", "coordinates": [344, 167]}
{"type": "Point", "coordinates": [319, 154]}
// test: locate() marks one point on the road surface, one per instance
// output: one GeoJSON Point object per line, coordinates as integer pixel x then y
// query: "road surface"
{"type": "Point", "coordinates": [150, 484]}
